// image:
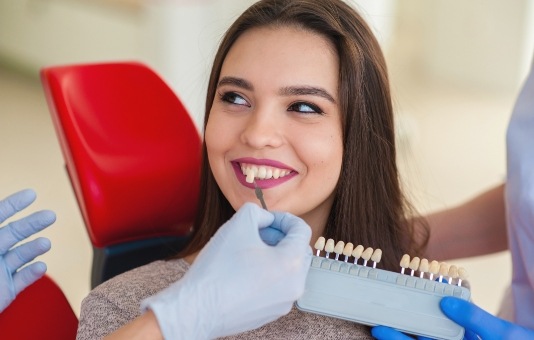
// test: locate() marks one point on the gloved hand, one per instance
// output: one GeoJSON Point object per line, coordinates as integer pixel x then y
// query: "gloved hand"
{"type": "Point", "coordinates": [478, 323]}
{"type": "Point", "coordinates": [13, 280]}
{"type": "Point", "coordinates": [237, 282]}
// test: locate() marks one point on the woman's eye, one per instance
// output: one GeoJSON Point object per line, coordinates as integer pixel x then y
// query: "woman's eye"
{"type": "Point", "coordinates": [234, 98]}
{"type": "Point", "coordinates": [303, 107]}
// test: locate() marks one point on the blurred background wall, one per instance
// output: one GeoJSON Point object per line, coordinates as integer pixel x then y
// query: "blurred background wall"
{"type": "Point", "coordinates": [455, 67]}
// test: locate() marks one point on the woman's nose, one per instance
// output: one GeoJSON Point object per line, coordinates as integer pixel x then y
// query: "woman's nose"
{"type": "Point", "coordinates": [264, 128]}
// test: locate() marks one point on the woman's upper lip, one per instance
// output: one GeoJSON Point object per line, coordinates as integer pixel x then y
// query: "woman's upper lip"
{"type": "Point", "coordinates": [263, 161]}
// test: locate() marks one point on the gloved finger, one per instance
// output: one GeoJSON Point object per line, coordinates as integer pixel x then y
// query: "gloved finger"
{"type": "Point", "coordinates": [15, 203]}
{"type": "Point", "coordinates": [271, 236]}
{"type": "Point", "coordinates": [19, 256]}
{"type": "Point", "coordinates": [17, 231]}
{"type": "Point", "coordinates": [298, 232]}
{"type": "Point", "coordinates": [473, 318]}
{"type": "Point", "coordinates": [28, 275]}
{"type": "Point", "coordinates": [273, 233]}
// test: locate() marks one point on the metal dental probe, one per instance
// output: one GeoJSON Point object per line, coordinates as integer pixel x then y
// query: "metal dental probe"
{"type": "Point", "coordinates": [259, 195]}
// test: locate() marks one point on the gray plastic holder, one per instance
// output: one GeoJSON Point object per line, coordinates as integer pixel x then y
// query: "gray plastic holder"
{"type": "Point", "coordinates": [378, 297]}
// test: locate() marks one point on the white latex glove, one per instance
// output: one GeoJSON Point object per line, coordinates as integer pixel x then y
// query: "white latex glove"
{"type": "Point", "coordinates": [237, 282]}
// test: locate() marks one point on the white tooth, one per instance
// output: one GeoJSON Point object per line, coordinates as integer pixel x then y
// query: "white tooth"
{"type": "Point", "coordinates": [243, 169]}
{"type": "Point", "coordinates": [276, 173]}
{"type": "Point", "coordinates": [283, 173]}
{"type": "Point", "coordinates": [269, 173]}
{"type": "Point", "coordinates": [250, 176]}
{"type": "Point", "coordinates": [262, 171]}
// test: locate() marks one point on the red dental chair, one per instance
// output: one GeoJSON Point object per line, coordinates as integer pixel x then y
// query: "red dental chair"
{"type": "Point", "coordinates": [132, 153]}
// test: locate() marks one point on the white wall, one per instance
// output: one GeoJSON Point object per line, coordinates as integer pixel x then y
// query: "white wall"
{"type": "Point", "coordinates": [41, 33]}
{"type": "Point", "coordinates": [483, 44]}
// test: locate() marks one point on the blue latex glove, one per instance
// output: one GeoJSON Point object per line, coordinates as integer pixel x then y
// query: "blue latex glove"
{"type": "Point", "coordinates": [478, 323]}
{"type": "Point", "coordinates": [13, 279]}
{"type": "Point", "coordinates": [237, 282]}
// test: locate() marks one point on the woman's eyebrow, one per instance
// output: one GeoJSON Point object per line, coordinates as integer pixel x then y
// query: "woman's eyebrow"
{"type": "Point", "coordinates": [239, 82]}
{"type": "Point", "coordinates": [306, 90]}
{"type": "Point", "coordinates": [284, 91]}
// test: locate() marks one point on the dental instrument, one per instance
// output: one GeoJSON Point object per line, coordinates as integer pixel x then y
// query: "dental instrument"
{"type": "Point", "coordinates": [259, 195]}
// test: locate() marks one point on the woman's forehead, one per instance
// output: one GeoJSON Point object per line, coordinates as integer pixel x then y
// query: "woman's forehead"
{"type": "Point", "coordinates": [287, 55]}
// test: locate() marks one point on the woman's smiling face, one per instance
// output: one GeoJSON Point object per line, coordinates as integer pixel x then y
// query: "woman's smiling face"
{"type": "Point", "coordinates": [276, 109]}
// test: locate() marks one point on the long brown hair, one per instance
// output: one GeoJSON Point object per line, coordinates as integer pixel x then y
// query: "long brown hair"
{"type": "Point", "coordinates": [369, 207]}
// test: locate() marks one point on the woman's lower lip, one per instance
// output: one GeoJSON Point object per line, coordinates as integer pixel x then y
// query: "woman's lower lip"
{"type": "Point", "coordinates": [262, 183]}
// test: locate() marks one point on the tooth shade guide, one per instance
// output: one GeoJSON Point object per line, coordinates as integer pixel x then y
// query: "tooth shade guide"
{"type": "Point", "coordinates": [443, 271]}
{"type": "Point", "coordinates": [450, 272]}
{"type": "Point", "coordinates": [414, 265]}
{"type": "Point", "coordinates": [319, 245]}
{"type": "Point", "coordinates": [357, 253]}
{"type": "Point", "coordinates": [366, 255]}
{"type": "Point", "coordinates": [434, 268]}
{"type": "Point", "coordinates": [347, 251]}
{"type": "Point", "coordinates": [338, 249]}
{"type": "Point", "coordinates": [423, 267]}
{"type": "Point", "coordinates": [250, 176]}
{"type": "Point", "coordinates": [404, 262]}
{"type": "Point", "coordinates": [372, 295]}
{"type": "Point", "coordinates": [376, 257]}
{"type": "Point", "coordinates": [462, 275]}
{"type": "Point", "coordinates": [329, 247]}
{"type": "Point", "coordinates": [453, 273]}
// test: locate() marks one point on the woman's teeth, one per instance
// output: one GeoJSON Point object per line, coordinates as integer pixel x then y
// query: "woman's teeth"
{"type": "Point", "coordinates": [262, 172]}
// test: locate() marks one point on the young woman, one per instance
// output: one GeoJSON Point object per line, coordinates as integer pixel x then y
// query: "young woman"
{"type": "Point", "coordinates": [299, 92]}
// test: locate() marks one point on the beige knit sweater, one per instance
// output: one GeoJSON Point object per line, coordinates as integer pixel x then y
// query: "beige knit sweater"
{"type": "Point", "coordinates": [116, 302]}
